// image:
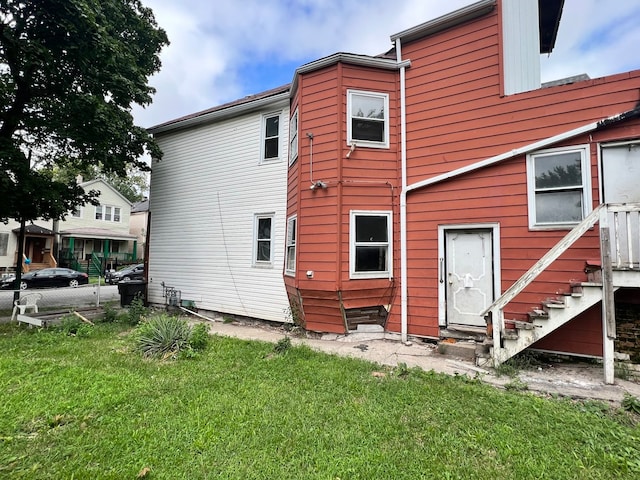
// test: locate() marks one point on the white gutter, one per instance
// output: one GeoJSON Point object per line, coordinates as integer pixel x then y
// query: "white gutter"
{"type": "Point", "coordinates": [403, 199]}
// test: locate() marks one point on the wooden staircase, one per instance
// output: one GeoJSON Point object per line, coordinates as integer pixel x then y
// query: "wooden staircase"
{"type": "Point", "coordinates": [617, 268]}
{"type": "Point", "coordinates": [555, 312]}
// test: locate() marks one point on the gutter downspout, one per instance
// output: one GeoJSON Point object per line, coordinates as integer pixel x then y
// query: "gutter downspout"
{"type": "Point", "coordinates": [403, 200]}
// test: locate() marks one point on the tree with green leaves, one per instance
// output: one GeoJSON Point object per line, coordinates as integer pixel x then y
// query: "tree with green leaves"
{"type": "Point", "coordinates": [70, 71]}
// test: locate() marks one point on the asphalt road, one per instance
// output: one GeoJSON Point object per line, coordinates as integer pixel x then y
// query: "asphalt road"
{"type": "Point", "coordinates": [84, 296]}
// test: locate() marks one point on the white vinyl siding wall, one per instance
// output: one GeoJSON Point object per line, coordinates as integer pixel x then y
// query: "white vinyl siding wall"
{"type": "Point", "coordinates": [204, 197]}
{"type": "Point", "coordinates": [521, 46]}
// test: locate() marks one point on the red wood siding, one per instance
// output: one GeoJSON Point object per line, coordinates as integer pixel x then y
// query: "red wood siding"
{"type": "Point", "coordinates": [582, 335]}
{"type": "Point", "coordinates": [456, 116]}
{"type": "Point", "coordinates": [352, 184]}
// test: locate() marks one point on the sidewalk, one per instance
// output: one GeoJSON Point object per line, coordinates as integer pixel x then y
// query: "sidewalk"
{"type": "Point", "coordinates": [572, 380]}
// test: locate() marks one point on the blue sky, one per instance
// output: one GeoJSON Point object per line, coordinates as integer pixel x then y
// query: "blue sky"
{"type": "Point", "coordinates": [223, 50]}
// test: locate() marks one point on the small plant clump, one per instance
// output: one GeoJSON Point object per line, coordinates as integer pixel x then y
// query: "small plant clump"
{"type": "Point", "coordinates": [522, 361]}
{"type": "Point", "coordinates": [199, 336]}
{"type": "Point", "coordinates": [631, 404]}
{"type": "Point", "coordinates": [111, 315]}
{"type": "Point", "coordinates": [282, 346]}
{"type": "Point", "coordinates": [72, 326]}
{"type": "Point", "coordinates": [622, 371]}
{"type": "Point", "coordinates": [137, 310]}
{"type": "Point", "coordinates": [167, 337]}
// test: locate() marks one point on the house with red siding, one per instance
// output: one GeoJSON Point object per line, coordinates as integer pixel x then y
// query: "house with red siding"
{"type": "Point", "coordinates": [441, 191]}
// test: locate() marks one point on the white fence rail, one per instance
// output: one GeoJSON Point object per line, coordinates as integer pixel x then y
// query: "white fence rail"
{"type": "Point", "coordinates": [63, 298]}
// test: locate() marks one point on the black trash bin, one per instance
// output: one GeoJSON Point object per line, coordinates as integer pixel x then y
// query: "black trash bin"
{"type": "Point", "coordinates": [129, 290]}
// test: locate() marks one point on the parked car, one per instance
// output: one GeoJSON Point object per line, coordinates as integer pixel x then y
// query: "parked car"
{"type": "Point", "coordinates": [125, 274]}
{"type": "Point", "coordinates": [7, 281]}
{"type": "Point", "coordinates": [53, 277]}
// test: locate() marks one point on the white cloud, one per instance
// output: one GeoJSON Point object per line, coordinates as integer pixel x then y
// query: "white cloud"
{"type": "Point", "coordinates": [595, 37]}
{"type": "Point", "coordinates": [214, 43]}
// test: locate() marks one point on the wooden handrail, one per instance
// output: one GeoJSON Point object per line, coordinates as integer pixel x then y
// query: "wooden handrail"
{"type": "Point", "coordinates": [546, 260]}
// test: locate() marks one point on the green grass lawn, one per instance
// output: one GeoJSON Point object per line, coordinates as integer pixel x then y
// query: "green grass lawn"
{"type": "Point", "coordinates": [88, 408]}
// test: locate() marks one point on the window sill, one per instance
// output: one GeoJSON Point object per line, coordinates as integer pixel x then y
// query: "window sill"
{"type": "Point", "coordinates": [546, 228]}
{"type": "Point", "coordinates": [266, 266]}
{"type": "Point", "coordinates": [369, 276]}
{"type": "Point", "coordinates": [367, 144]}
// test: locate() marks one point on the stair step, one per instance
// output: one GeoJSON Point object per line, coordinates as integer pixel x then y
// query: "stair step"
{"type": "Point", "coordinates": [553, 305]}
{"type": "Point", "coordinates": [557, 301]}
{"type": "Point", "coordinates": [538, 314]}
{"type": "Point", "coordinates": [510, 334]}
{"type": "Point", "coordinates": [520, 324]}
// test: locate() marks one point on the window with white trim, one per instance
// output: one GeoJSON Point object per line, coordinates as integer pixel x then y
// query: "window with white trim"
{"type": "Point", "coordinates": [370, 253]}
{"type": "Point", "coordinates": [77, 212]}
{"type": "Point", "coordinates": [107, 213]}
{"type": "Point", "coordinates": [263, 240]}
{"type": "Point", "coordinates": [293, 137]}
{"type": "Point", "coordinates": [559, 187]}
{"type": "Point", "coordinates": [367, 119]}
{"type": "Point", "coordinates": [271, 136]}
{"type": "Point", "coordinates": [290, 260]}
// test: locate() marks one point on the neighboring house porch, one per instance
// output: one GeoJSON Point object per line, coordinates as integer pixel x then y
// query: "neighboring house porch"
{"type": "Point", "coordinates": [93, 250]}
{"type": "Point", "coordinates": [38, 248]}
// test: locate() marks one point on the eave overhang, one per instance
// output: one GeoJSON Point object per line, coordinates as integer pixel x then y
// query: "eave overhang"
{"type": "Point", "coordinates": [245, 105]}
{"type": "Point", "coordinates": [457, 17]}
{"type": "Point", "coordinates": [348, 58]}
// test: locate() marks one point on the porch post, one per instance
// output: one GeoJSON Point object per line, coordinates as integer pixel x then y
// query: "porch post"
{"type": "Point", "coordinates": [105, 248]}
{"type": "Point", "coordinates": [135, 250]}
{"type": "Point", "coordinates": [608, 301]}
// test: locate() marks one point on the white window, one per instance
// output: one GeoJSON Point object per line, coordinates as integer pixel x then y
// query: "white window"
{"type": "Point", "coordinates": [271, 136]}
{"type": "Point", "coordinates": [367, 119]}
{"type": "Point", "coordinates": [370, 244]}
{"type": "Point", "coordinates": [293, 137]}
{"type": "Point", "coordinates": [263, 243]}
{"type": "Point", "coordinates": [108, 213]}
{"type": "Point", "coordinates": [290, 261]}
{"type": "Point", "coordinates": [77, 212]}
{"type": "Point", "coordinates": [559, 187]}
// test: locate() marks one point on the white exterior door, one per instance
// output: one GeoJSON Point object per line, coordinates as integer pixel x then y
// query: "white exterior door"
{"type": "Point", "coordinates": [621, 184]}
{"type": "Point", "coordinates": [468, 276]}
{"type": "Point", "coordinates": [621, 174]}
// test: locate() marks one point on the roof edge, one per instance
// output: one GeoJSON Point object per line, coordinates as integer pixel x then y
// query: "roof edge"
{"type": "Point", "coordinates": [224, 111]}
{"type": "Point", "coordinates": [446, 21]}
{"type": "Point", "coordinates": [350, 58]}
{"type": "Point", "coordinates": [104, 182]}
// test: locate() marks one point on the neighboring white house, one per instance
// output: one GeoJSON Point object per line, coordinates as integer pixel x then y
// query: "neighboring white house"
{"type": "Point", "coordinates": [218, 208]}
{"type": "Point", "coordinates": [102, 230]}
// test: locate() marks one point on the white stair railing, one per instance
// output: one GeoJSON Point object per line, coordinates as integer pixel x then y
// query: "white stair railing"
{"type": "Point", "coordinates": [624, 223]}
